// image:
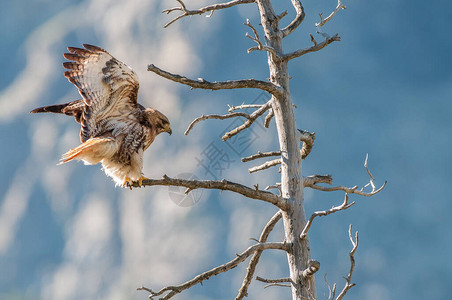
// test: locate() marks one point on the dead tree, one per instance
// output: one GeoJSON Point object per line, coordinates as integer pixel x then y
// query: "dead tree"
{"type": "Point", "coordinates": [289, 201]}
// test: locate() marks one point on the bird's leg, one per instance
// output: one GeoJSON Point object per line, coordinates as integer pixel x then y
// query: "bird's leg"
{"type": "Point", "coordinates": [140, 181]}
{"type": "Point", "coordinates": [127, 182]}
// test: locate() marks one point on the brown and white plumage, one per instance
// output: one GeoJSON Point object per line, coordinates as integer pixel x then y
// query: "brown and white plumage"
{"type": "Point", "coordinates": [115, 129]}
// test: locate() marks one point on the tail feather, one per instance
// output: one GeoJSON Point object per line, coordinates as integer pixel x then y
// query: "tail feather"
{"type": "Point", "coordinates": [57, 109]}
{"type": "Point", "coordinates": [74, 108]}
{"type": "Point", "coordinates": [92, 151]}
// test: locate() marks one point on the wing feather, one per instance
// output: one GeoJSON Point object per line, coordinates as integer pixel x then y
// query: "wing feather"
{"type": "Point", "coordinates": [79, 51]}
{"type": "Point", "coordinates": [72, 65]}
{"type": "Point", "coordinates": [94, 49]}
{"type": "Point", "coordinates": [109, 87]}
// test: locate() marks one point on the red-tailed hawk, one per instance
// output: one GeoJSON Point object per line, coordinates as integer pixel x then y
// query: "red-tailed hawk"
{"type": "Point", "coordinates": [115, 129]}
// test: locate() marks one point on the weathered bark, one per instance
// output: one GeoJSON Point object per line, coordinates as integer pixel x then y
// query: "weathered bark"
{"type": "Point", "coordinates": [291, 181]}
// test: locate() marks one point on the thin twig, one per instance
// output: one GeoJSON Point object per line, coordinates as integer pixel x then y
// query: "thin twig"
{"type": "Point", "coordinates": [209, 8]}
{"type": "Point", "coordinates": [257, 39]}
{"type": "Point", "coordinates": [173, 290]}
{"type": "Point", "coordinates": [143, 288]}
{"type": "Point", "coordinates": [313, 39]}
{"type": "Point", "coordinates": [266, 165]}
{"type": "Point", "coordinates": [243, 106]}
{"type": "Point", "coordinates": [322, 213]}
{"type": "Point", "coordinates": [312, 181]}
{"type": "Point", "coordinates": [220, 85]}
{"type": "Point", "coordinates": [219, 117]}
{"type": "Point", "coordinates": [279, 280]}
{"type": "Point", "coordinates": [277, 284]}
{"type": "Point", "coordinates": [316, 47]}
{"type": "Point", "coordinates": [353, 190]}
{"type": "Point", "coordinates": [268, 118]}
{"type": "Point", "coordinates": [261, 155]}
{"type": "Point", "coordinates": [243, 291]}
{"type": "Point", "coordinates": [348, 279]}
{"type": "Point", "coordinates": [276, 186]}
{"type": "Point", "coordinates": [219, 185]}
{"type": "Point", "coordinates": [367, 169]}
{"type": "Point", "coordinates": [281, 15]}
{"type": "Point", "coordinates": [323, 21]}
{"type": "Point", "coordinates": [252, 117]}
{"type": "Point", "coordinates": [308, 141]}
{"type": "Point", "coordinates": [331, 291]}
{"type": "Point", "coordinates": [371, 182]}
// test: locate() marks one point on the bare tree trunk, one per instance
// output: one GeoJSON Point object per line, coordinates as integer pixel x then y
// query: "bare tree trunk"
{"type": "Point", "coordinates": [291, 181]}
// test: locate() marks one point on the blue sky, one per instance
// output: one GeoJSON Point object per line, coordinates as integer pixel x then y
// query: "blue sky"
{"type": "Point", "coordinates": [385, 89]}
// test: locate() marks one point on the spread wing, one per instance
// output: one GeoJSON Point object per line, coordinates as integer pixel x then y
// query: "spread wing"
{"type": "Point", "coordinates": [109, 88]}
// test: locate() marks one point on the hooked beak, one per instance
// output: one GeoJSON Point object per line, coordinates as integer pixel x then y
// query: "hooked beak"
{"type": "Point", "coordinates": [169, 131]}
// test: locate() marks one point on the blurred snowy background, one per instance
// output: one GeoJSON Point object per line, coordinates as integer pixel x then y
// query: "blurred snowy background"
{"type": "Point", "coordinates": [67, 233]}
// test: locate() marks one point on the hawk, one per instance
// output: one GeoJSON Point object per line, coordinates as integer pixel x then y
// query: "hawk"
{"type": "Point", "coordinates": [115, 128]}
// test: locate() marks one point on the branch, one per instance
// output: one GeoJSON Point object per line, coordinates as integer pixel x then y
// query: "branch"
{"type": "Point", "coordinates": [323, 21]}
{"type": "Point", "coordinates": [281, 15]}
{"type": "Point", "coordinates": [257, 39]}
{"type": "Point", "coordinates": [295, 22]}
{"type": "Point", "coordinates": [308, 142]}
{"type": "Point", "coordinates": [313, 267]}
{"type": "Point", "coordinates": [352, 190]}
{"type": "Point", "coordinates": [211, 8]}
{"type": "Point", "coordinates": [348, 284]}
{"type": "Point", "coordinates": [322, 213]}
{"type": "Point", "coordinates": [225, 185]}
{"type": "Point", "coordinates": [314, 48]}
{"type": "Point", "coordinates": [276, 186]}
{"type": "Point", "coordinates": [261, 155]}
{"type": "Point", "coordinates": [313, 39]}
{"type": "Point", "coordinates": [313, 180]}
{"type": "Point", "coordinates": [173, 290]}
{"type": "Point", "coordinates": [275, 282]}
{"type": "Point", "coordinates": [371, 182]}
{"type": "Point", "coordinates": [268, 118]}
{"type": "Point", "coordinates": [279, 280]}
{"type": "Point", "coordinates": [243, 106]}
{"type": "Point", "coordinates": [243, 291]}
{"type": "Point", "coordinates": [266, 165]}
{"type": "Point", "coordinates": [317, 46]}
{"type": "Point", "coordinates": [331, 291]}
{"type": "Point", "coordinates": [252, 117]}
{"type": "Point", "coordinates": [220, 117]}
{"type": "Point", "coordinates": [220, 85]}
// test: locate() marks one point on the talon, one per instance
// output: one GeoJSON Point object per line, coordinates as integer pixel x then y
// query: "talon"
{"type": "Point", "coordinates": [127, 183]}
{"type": "Point", "coordinates": [140, 181]}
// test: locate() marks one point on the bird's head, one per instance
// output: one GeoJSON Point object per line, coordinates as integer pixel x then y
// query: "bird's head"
{"type": "Point", "coordinates": [158, 120]}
